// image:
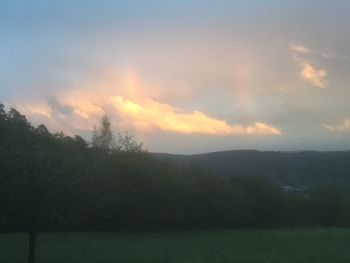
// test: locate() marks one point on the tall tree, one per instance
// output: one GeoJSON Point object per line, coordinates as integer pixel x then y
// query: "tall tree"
{"type": "Point", "coordinates": [2, 111]}
{"type": "Point", "coordinates": [103, 136]}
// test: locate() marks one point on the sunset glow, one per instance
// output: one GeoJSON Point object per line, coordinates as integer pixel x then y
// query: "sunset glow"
{"type": "Point", "coordinates": [162, 116]}
{"type": "Point", "coordinates": [209, 75]}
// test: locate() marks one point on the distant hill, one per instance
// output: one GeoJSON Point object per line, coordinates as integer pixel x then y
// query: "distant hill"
{"type": "Point", "coordinates": [296, 169]}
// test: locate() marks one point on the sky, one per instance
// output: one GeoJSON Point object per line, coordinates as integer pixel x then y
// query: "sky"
{"type": "Point", "coordinates": [183, 76]}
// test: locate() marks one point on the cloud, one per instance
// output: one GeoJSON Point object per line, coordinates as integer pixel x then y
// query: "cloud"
{"type": "Point", "coordinates": [134, 103]}
{"type": "Point", "coordinates": [304, 50]}
{"type": "Point", "coordinates": [299, 48]}
{"type": "Point", "coordinates": [40, 108]}
{"type": "Point", "coordinates": [329, 54]}
{"type": "Point", "coordinates": [341, 127]}
{"type": "Point", "coordinates": [154, 115]}
{"type": "Point", "coordinates": [315, 77]}
{"type": "Point", "coordinates": [146, 116]}
{"type": "Point", "coordinates": [310, 74]}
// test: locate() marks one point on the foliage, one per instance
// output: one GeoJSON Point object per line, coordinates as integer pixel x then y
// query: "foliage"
{"type": "Point", "coordinates": [103, 138]}
{"type": "Point", "coordinates": [295, 170]}
{"type": "Point", "coordinates": [54, 182]}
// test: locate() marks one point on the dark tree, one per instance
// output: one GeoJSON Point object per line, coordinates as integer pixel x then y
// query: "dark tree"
{"type": "Point", "coordinates": [103, 136]}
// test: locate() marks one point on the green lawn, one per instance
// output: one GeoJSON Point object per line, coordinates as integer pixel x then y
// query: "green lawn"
{"type": "Point", "coordinates": [282, 246]}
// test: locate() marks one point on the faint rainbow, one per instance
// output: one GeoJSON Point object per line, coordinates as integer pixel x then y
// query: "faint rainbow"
{"type": "Point", "coordinates": [242, 85]}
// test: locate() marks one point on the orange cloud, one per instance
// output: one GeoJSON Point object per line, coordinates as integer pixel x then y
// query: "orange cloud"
{"type": "Point", "coordinates": [39, 108]}
{"type": "Point", "coordinates": [151, 114]}
{"type": "Point", "coordinates": [342, 127]}
{"type": "Point", "coordinates": [316, 77]}
{"type": "Point", "coordinates": [124, 99]}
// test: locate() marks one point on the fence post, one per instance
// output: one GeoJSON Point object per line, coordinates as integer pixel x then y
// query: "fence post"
{"type": "Point", "coordinates": [32, 246]}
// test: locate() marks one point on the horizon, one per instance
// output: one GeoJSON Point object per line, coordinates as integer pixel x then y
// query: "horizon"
{"type": "Point", "coordinates": [184, 77]}
{"type": "Point", "coordinates": [255, 150]}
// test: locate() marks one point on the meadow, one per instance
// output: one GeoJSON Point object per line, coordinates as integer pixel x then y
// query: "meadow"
{"type": "Point", "coordinates": [223, 245]}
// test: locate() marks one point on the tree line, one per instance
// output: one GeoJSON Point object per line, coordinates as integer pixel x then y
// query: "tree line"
{"type": "Point", "coordinates": [54, 182]}
{"type": "Point", "coordinates": [294, 169]}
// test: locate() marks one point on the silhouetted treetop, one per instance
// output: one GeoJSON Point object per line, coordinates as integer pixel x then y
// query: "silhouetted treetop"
{"type": "Point", "coordinates": [103, 138]}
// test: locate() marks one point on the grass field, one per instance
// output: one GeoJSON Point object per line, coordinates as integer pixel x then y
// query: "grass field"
{"type": "Point", "coordinates": [248, 246]}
